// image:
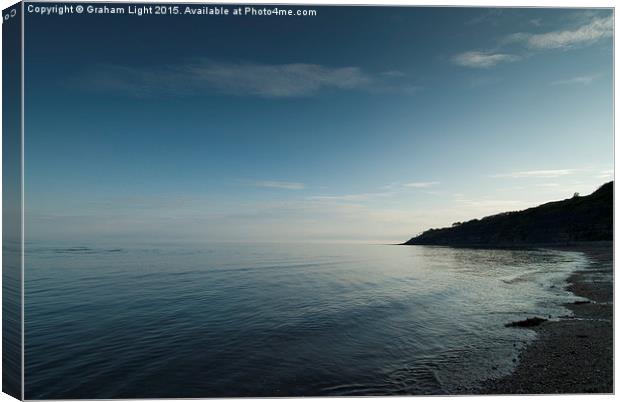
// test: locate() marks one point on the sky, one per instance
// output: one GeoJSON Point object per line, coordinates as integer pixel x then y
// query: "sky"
{"type": "Point", "coordinates": [360, 124]}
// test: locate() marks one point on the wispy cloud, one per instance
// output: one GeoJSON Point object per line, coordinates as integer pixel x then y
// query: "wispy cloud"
{"type": "Point", "coordinates": [285, 185]}
{"type": "Point", "coordinates": [477, 59]}
{"type": "Point", "coordinates": [605, 174]}
{"type": "Point", "coordinates": [594, 30]}
{"type": "Point", "coordinates": [393, 73]}
{"type": "Point", "coordinates": [393, 189]}
{"type": "Point", "coordinates": [350, 197]}
{"type": "Point", "coordinates": [421, 184]}
{"type": "Point", "coordinates": [546, 174]}
{"type": "Point", "coordinates": [241, 79]}
{"type": "Point", "coordinates": [580, 80]}
{"type": "Point", "coordinates": [285, 80]}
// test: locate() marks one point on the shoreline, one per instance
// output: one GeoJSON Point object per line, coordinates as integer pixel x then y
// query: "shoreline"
{"type": "Point", "coordinates": [573, 355]}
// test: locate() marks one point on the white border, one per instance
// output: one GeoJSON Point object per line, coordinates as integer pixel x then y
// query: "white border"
{"type": "Point", "coordinates": [22, 187]}
{"type": "Point", "coordinates": [462, 3]}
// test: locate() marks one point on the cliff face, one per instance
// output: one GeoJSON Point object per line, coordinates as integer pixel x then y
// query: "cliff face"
{"type": "Point", "coordinates": [577, 219]}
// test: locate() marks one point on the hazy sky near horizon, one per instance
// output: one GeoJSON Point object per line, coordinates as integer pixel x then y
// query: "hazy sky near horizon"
{"type": "Point", "coordinates": [359, 124]}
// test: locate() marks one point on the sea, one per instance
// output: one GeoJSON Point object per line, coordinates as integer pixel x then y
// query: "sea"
{"type": "Point", "coordinates": [232, 320]}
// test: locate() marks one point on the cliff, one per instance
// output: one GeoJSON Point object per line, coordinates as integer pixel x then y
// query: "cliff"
{"type": "Point", "coordinates": [577, 219]}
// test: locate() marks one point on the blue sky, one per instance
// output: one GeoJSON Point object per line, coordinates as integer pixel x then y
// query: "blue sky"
{"type": "Point", "coordinates": [359, 124]}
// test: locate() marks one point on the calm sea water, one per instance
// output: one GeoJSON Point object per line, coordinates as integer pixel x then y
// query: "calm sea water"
{"type": "Point", "coordinates": [280, 320]}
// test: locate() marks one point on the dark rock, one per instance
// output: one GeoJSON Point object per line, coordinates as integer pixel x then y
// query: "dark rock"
{"type": "Point", "coordinates": [529, 322]}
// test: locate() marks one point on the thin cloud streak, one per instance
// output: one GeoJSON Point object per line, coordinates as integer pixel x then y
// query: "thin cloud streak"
{"type": "Point", "coordinates": [477, 59]}
{"type": "Point", "coordinates": [605, 174]}
{"type": "Point", "coordinates": [240, 79]}
{"type": "Point", "coordinates": [546, 174]}
{"type": "Point", "coordinates": [284, 185]}
{"type": "Point", "coordinates": [421, 184]}
{"type": "Point", "coordinates": [580, 80]}
{"type": "Point", "coordinates": [596, 29]}
{"type": "Point", "coordinates": [350, 197]}
{"type": "Point", "coordinates": [284, 80]}
{"type": "Point", "coordinates": [393, 74]}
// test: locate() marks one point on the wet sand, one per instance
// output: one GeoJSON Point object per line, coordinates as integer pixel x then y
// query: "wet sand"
{"type": "Point", "coordinates": [574, 355]}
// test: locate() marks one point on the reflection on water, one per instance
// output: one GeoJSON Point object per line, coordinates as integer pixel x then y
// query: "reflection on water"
{"type": "Point", "coordinates": [280, 320]}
